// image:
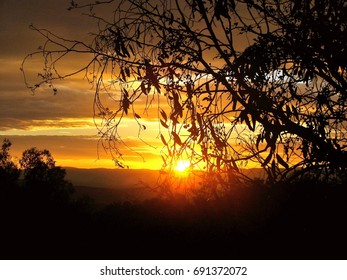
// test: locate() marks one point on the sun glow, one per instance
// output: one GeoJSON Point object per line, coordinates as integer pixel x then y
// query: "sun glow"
{"type": "Point", "coordinates": [182, 166]}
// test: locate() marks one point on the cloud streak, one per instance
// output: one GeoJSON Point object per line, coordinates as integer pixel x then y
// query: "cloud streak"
{"type": "Point", "coordinates": [84, 151]}
{"type": "Point", "coordinates": [39, 120]}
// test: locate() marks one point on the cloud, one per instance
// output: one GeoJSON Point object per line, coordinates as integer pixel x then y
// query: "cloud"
{"type": "Point", "coordinates": [29, 119]}
{"type": "Point", "coordinates": [84, 152]}
{"type": "Point", "coordinates": [21, 110]}
{"type": "Point", "coordinates": [18, 108]}
{"type": "Point", "coordinates": [17, 15]}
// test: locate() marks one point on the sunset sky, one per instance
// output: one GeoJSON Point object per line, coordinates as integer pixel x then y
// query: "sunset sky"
{"type": "Point", "coordinates": [61, 123]}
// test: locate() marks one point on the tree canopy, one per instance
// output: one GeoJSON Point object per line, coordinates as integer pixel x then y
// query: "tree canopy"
{"type": "Point", "coordinates": [35, 173]}
{"type": "Point", "coordinates": [9, 172]}
{"type": "Point", "coordinates": [42, 177]}
{"type": "Point", "coordinates": [234, 82]}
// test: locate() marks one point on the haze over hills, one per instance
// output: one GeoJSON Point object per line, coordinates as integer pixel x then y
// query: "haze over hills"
{"type": "Point", "coordinates": [124, 178]}
{"type": "Point", "coordinates": [107, 186]}
{"type": "Point", "coordinates": [111, 178]}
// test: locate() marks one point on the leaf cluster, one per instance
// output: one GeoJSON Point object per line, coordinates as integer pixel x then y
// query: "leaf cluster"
{"type": "Point", "coordinates": [234, 82]}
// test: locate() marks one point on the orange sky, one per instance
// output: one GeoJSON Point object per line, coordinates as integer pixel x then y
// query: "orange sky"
{"type": "Point", "coordinates": [62, 123]}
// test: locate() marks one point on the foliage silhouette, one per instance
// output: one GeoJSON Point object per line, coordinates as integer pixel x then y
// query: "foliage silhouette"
{"type": "Point", "coordinates": [42, 177]}
{"type": "Point", "coordinates": [36, 176]}
{"type": "Point", "coordinates": [9, 173]}
{"type": "Point", "coordinates": [35, 203]}
{"type": "Point", "coordinates": [234, 81]}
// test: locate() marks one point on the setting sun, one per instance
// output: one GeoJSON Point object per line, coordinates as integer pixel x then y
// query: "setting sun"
{"type": "Point", "coordinates": [182, 165]}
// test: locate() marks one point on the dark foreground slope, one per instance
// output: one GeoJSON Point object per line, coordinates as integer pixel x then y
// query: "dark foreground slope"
{"type": "Point", "coordinates": [301, 221]}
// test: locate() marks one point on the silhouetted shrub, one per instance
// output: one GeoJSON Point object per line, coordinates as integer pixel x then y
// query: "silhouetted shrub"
{"type": "Point", "coordinates": [9, 173]}
{"type": "Point", "coordinates": [42, 178]}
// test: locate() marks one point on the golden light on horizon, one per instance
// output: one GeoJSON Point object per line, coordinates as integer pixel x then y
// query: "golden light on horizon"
{"type": "Point", "coordinates": [182, 166]}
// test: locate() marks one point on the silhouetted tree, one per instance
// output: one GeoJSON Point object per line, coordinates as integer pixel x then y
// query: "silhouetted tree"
{"type": "Point", "coordinates": [9, 173]}
{"type": "Point", "coordinates": [234, 81]}
{"type": "Point", "coordinates": [42, 177]}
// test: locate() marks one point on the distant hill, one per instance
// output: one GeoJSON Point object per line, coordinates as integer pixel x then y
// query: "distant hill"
{"type": "Point", "coordinates": [106, 186]}
{"type": "Point", "coordinates": [111, 178]}
{"type": "Point", "coordinates": [125, 178]}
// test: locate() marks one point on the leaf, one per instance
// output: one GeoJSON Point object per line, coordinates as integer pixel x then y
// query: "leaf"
{"type": "Point", "coordinates": [137, 116]}
{"type": "Point", "coordinates": [177, 105]}
{"type": "Point", "coordinates": [125, 104]}
{"type": "Point", "coordinates": [202, 132]}
{"type": "Point", "coordinates": [254, 122]}
{"type": "Point", "coordinates": [242, 115]}
{"type": "Point", "coordinates": [246, 119]}
{"type": "Point", "coordinates": [208, 87]}
{"type": "Point", "coordinates": [164, 124]}
{"type": "Point", "coordinates": [234, 102]}
{"type": "Point", "coordinates": [143, 88]}
{"type": "Point", "coordinates": [169, 151]}
{"type": "Point", "coordinates": [123, 74]}
{"type": "Point", "coordinates": [164, 160]}
{"type": "Point", "coordinates": [218, 142]}
{"type": "Point", "coordinates": [295, 112]}
{"type": "Point", "coordinates": [177, 139]}
{"type": "Point", "coordinates": [202, 136]}
{"type": "Point", "coordinates": [189, 90]}
{"type": "Point", "coordinates": [232, 4]}
{"type": "Point", "coordinates": [125, 50]}
{"type": "Point", "coordinates": [127, 71]}
{"type": "Point", "coordinates": [156, 84]}
{"type": "Point", "coordinates": [163, 114]}
{"type": "Point", "coordinates": [163, 139]}
{"type": "Point", "coordinates": [171, 19]}
{"type": "Point", "coordinates": [258, 141]}
{"type": "Point", "coordinates": [131, 49]}
{"type": "Point", "coordinates": [281, 161]}
{"type": "Point", "coordinates": [267, 160]}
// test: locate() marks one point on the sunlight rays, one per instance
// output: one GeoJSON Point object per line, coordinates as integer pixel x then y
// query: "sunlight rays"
{"type": "Point", "coordinates": [182, 166]}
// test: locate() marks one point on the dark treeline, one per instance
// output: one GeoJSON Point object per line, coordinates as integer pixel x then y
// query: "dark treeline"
{"type": "Point", "coordinates": [40, 219]}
